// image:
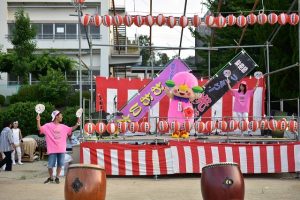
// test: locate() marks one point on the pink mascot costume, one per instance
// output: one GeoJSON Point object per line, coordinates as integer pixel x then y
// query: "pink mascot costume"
{"type": "Point", "coordinates": [182, 90]}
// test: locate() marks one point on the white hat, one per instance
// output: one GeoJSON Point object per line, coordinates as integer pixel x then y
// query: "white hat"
{"type": "Point", "coordinates": [54, 113]}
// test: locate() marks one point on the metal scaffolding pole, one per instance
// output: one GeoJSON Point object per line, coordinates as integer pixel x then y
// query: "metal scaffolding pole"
{"type": "Point", "coordinates": [79, 60]}
{"type": "Point", "coordinates": [268, 81]}
{"type": "Point", "coordinates": [298, 138]}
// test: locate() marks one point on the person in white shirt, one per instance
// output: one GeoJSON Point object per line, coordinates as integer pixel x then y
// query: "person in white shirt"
{"type": "Point", "coordinates": [17, 138]}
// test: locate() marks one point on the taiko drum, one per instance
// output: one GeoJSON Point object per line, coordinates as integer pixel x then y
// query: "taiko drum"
{"type": "Point", "coordinates": [85, 181]}
{"type": "Point", "coordinates": [222, 181]}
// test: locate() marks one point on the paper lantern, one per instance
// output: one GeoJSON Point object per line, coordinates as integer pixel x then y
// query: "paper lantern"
{"type": "Point", "coordinates": [111, 128]}
{"type": "Point", "coordinates": [263, 124]}
{"type": "Point", "coordinates": [253, 125]}
{"type": "Point", "coordinates": [293, 126]}
{"type": "Point", "coordinates": [251, 19]}
{"type": "Point", "coordinates": [133, 127]}
{"type": "Point", "coordinates": [209, 20]}
{"type": "Point", "coordinates": [138, 20]}
{"type": "Point", "coordinates": [210, 126]}
{"type": "Point", "coordinates": [79, 1]}
{"type": "Point", "coordinates": [272, 18]}
{"type": "Point", "coordinates": [162, 126]}
{"type": "Point", "coordinates": [107, 20]}
{"type": "Point", "coordinates": [183, 21]}
{"type": "Point", "coordinates": [283, 18]}
{"type": "Point", "coordinates": [262, 18]}
{"type": "Point", "coordinates": [272, 125]}
{"type": "Point", "coordinates": [187, 126]}
{"type": "Point", "coordinates": [149, 20]}
{"type": "Point", "coordinates": [199, 126]}
{"type": "Point", "coordinates": [145, 127]}
{"type": "Point", "coordinates": [122, 127]}
{"type": "Point", "coordinates": [241, 21]}
{"type": "Point", "coordinates": [89, 128]}
{"type": "Point", "coordinates": [160, 20]}
{"type": "Point", "coordinates": [117, 20]}
{"type": "Point", "coordinates": [243, 125]}
{"type": "Point", "coordinates": [171, 21]}
{"type": "Point", "coordinates": [231, 20]}
{"type": "Point", "coordinates": [196, 21]}
{"type": "Point", "coordinates": [128, 20]}
{"type": "Point", "coordinates": [293, 19]}
{"type": "Point", "coordinates": [232, 125]}
{"type": "Point", "coordinates": [97, 20]}
{"type": "Point", "coordinates": [85, 19]}
{"type": "Point", "coordinates": [220, 21]}
{"type": "Point", "coordinates": [222, 125]}
{"type": "Point", "coordinates": [174, 126]}
{"type": "Point", "coordinates": [100, 127]}
{"type": "Point", "coordinates": [282, 125]}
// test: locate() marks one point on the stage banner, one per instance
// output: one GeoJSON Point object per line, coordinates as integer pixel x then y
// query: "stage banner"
{"type": "Point", "coordinates": [241, 65]}
{"type": "Point", "coordinates": [152, 93]}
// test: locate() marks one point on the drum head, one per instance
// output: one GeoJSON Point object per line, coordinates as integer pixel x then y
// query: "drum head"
{"type": "Point", "coordinates": [86, 166]}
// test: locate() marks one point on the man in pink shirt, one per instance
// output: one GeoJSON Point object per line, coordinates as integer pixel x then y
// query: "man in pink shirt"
{"type": "Point", "coordinates": [56, 135]}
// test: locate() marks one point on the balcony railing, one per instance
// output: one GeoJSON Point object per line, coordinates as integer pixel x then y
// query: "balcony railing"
{"type": "Point", "coordinates": [61, 37]}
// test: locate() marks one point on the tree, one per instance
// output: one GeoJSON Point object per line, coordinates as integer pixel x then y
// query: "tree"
{"type": "Point", "coordinates": [163, 59]}
{"type": "Point", "coordinates": [144, 41]}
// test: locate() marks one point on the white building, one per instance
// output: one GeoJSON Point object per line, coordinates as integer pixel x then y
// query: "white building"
{"type": "Point", "coordinates": [57, 28]}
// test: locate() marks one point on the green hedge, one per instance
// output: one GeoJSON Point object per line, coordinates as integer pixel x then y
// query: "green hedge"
{"type": "Point", "coordinates": [2, 100]}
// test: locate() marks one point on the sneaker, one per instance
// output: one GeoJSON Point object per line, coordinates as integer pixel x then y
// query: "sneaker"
{"type": "Point", "coordinates": [20, 163]}
{"type": "Point", "coordinates": [49, 180]}
{"type": "Point", "coordinates": [57, 180]}
{"type": "Point", "coordinates": [14, 163]}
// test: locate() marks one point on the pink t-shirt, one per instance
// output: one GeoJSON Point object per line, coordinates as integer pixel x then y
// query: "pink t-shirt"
{"type": "Point", "coordinates": [242, 101]}
{"type": "Point", "coordinates": [56, 137]}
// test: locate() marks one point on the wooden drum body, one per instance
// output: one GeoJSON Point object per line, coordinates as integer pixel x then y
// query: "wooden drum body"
{"type": "Point", "coordinates": [222, 181]}
{"type": "Point", "coordinates": [85, 182]}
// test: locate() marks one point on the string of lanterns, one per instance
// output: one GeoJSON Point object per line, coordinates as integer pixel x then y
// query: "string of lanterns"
{"type": "Point", "coordinates": [183, 21]}
{"type": "Point", "coordinates": [200, 126]}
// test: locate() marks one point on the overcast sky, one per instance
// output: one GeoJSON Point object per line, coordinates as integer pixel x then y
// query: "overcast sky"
{"type": "Point", "coordinates": [165, 36]}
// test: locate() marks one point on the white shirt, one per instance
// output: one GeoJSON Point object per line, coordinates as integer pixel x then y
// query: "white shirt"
{"type": "Point", "coordinates": [16, 135]}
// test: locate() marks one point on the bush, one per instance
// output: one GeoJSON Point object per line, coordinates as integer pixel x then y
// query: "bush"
{"type": "Point", "coordinates": [25, 114]}
{"type": "Point", "coordinates": [2, 100]}
{"type": "Point", "coordinates": [69, 116]}
{"type": "Point", "coordinates": [26, 93]}
{"type": "Point", "coordinates": [73, 99]}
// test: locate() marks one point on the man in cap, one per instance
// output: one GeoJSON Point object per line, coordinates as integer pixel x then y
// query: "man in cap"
{"type": "Point", "coordinates": [56, 135]}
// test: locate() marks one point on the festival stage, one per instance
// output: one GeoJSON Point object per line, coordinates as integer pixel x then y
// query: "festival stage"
{"type": "Point", "coordinates": [162, 155]}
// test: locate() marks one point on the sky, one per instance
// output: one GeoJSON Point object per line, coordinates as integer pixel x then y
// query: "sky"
{"type": "Point", "coordinates": [165, 36]}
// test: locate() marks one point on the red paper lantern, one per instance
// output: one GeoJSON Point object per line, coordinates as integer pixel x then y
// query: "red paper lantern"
{"type": "Point", "coordinates": [128, 20]}
{"type": "Point", "coordinates": [107, 20]}
{"type": "Point", "coordinates": [233, 125]}
{"type": "Point", "coordinates": [231, 20]}
{"type": "Point", "coordinates": [263, 124]}
{"type": "Point", "coordinates": [122, 127]}
{"type": "Point", "coordinates": [145, 127]}
{"type": "Point", "coordinates": [196, 21]}
{"type": "Point", "coordinates": [220, 21]}
{"type": "Point", "coordinates": [222, 125]}
{"type": "Point", "coordinates": [79, 1]}
{"type": "Point", "coordinates": [162, 126]}
{"type": "Point", "coordinates": [294, 19]}
{"type": "Point", "coordinates": [241, 21]}
{"type": "Point", "coordinates": [97, 20]}
{"type": "Point", "coordinates": [111, 128]}
{"type": "Point", "coordinates": [183, 21]}
{"type": "Point", "coordinates": [85, 19]}
{"type": "Point", "coordinates": [133, 127]}
{"type": "Point", "coordinates": [272, 125]}
{"type": "Point", "coordinates": [89, 128]}
{"type": "Point", "coordinates": [200, 127]}
{"type": "Point", "coordinates": [117, 20]}
{"type": "Point", "coordinates": [209, 20]}
{"type": "Point", "coordinates": [251, 19]}
{"type": "Point", "coordinates": [282, 125]}
{"type": "Point", "coordinates": [283, 18]}
{"type": "Point", "coordinates": [138, 20]}
{"type": "Point", "coordinates": [174, 126]}
{"type": "Point", "coordinates": [262, 18]}
{"type": "Point", "coordinates": [293, 126]}
{"type": "Point", "coordinates": [187, 126]}
{"type": "Point", "coordinates": [272, 18]}
{"type": "Point", "coordinates": [160, 20]}
{"type": "Point", "coordinates": [253, 125]}
{"type": "Point", "coordinates": [243, 125]}
{"type": "Point", "coordinates": [149, 20]}
{"type": "Point", "coordinates": [171, 21]}
{"type": "Point", "coordinates": [210, 126]}
{"type": "Point", "coordinates": [100, 127]}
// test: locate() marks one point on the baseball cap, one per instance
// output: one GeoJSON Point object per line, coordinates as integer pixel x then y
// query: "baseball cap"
{"type": "Point", "coordinates": [54, 113]}
{"type": "Point", "coordinates": [244, 82]}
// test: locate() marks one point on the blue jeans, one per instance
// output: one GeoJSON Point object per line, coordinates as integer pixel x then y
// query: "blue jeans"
{"type": "Point", "coordinates": [56, 157]}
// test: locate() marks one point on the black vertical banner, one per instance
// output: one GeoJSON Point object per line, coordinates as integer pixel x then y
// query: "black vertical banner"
{"type": "Point", "coordinates": [241, 65]}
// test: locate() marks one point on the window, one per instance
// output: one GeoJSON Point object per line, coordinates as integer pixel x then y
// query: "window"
{"type": "Point", "coordinates": [11, 27]}
{"type": "Point", "coordinates": [71, 31]}
{"type": "Point", "coordinates": [47, 31]}
{"type": "Point", "coordinates": [39, 30]}
{"type": "Point", "coordinates": [60, 31]}
{"type": "Point", "coordinates": [95, 32]}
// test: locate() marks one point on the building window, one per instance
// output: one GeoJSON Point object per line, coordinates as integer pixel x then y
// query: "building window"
{"type": "Point", "coordinates": [71, 31]}
{"type": "Point", "coordinates": [95, 32]}
{"type": "Point", "coordinates": [60, 31]}
{"type": "Point", "coordinates": [47, 31]}
{"type": "Point", "coordinates": [39, 30]}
